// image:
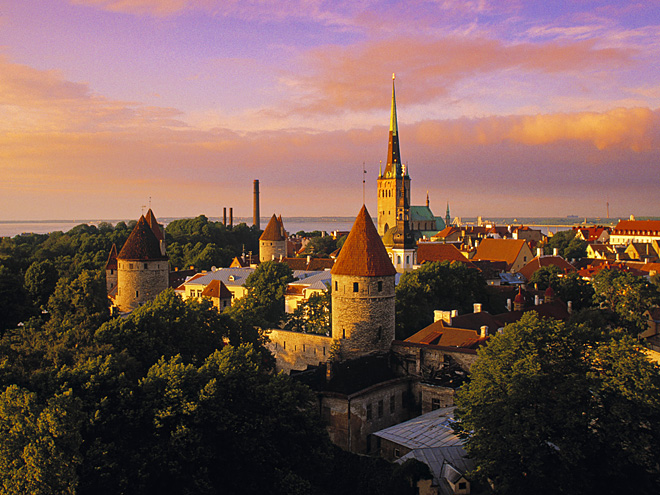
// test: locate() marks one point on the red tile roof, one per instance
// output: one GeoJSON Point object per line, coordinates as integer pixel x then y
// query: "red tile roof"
{"type": "Point", "coordinates": [153, 223]}
{"type": "Point", "coordinates": [112, 258]}
{"type": "Point", "coordinates": [637, 227]}
{"type": "Point", "coordinates": [538, 263]}
{"type": "Point", "coordinates": [437, 251]}
{"type": "Point", "coordinates": [363, 254]}
{"type": "Point", "coordinates": [142, 244]}
{"type": "Point", "coordinates": [438, 333]}
{"type": "Point", "coordinates": [216, 289]}
{"type": "Point", "coordinates": [499, 250]}
{"type": "Point", "coordinates": [273, 231]}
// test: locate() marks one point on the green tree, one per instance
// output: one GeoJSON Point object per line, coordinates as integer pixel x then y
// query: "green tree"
{"type": "Point", "coordinates": [312, 315]}
{"type": "Point", "coordinates": [263, 305]}
{"type": "Point", "coordinates": [320, 247]}
{"type": "Point", "coordinates": [546, 276]}
{"type": "Point", "coordinates": [13, 300]}
{"type": "Point", "coordinates": [39, 442]}
{"type": "Point", "coordinates": [552, 408]}
{"type": "Point", "coordinates": [439, 285]}
{"type": "Point", "coordinates": [40, 280]}
{"type": "Point", "coordinates": [568, 246]}
{"type": "Point", "coordinates": [169, 326]}
{"type": "Point", "coordinates": [628, 296]}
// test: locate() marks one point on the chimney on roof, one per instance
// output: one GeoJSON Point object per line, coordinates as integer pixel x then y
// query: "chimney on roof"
{"type": "Point", "coordinates": [484, 331]}
{"type": "Point", "coordinates": [539, 252]}
{"type": "Point", "coordinates": [476, 307]}
{"type": "Point", "coordinates": [453, 313]}
{"type": "Point", "coordinates": [255, 206]}
{"type": "Point", "coordinates": [309, 259]}
{"type": "Point", "coordinates": [508, 304]}
{"type": "Point", "coordinates": [231, 218]}
{"type": "Point", "coordinates": [536, 300]}
{"type": "Point", "coordinates": [569, 307]}
{"type": "Point", "coordinates": [555, 251]}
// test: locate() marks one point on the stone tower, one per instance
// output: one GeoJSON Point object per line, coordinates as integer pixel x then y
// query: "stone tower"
{"type": "Point", "coordinates": [142, 266]}
{"type": "Point", "coordinates": [111, 270]}
{"type": "Point", "coordinates": [272, 243]}
{"type": "Point", "coordinates": [363, 292]}
{"type": "Point", "coordinates": [394, 182]}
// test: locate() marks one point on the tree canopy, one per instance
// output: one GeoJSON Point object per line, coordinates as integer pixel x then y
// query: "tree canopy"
{"type": "Point", "coordinates": [555, 408]}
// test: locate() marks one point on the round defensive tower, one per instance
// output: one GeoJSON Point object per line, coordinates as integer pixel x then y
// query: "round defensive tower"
{"type": "Point", "coordinates": [142, 267]}
{"type": "Point", "coordinates": [272, 243]}
{"type": "Point", "coordinates": [363, 292]}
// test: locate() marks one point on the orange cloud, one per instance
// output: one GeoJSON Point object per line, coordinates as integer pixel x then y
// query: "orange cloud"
{"type": "Point", "coordinates": [343, 78]}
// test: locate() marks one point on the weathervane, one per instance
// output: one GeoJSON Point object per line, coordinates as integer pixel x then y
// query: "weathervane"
{"type": "Point", "coordinates": [364, 174]}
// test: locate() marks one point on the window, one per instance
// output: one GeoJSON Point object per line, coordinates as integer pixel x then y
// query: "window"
{"type": "Point", "coordinates": [435, 403]}
{"type": "Point", "coordinates": [380, 333]}
{"type": "Point", "coordinates": [137, 293]}
{"type": "Point", "coordinates": [380, 286]}
{"type": "Point", "coordinates": [380, 408]}
{"type": "Point", "coordinates": [397, 453]}
{"type": "Point", "coordinates": [145, 266]}
{"type": "Point", "coordinates": [130, 266]}
{"type": "Point", "coordinates": [336, 286]}
{"type": "Point", "coordinates": [356, 286]}
{"type": "Point", "coordinates": [369, 412]}
{"type": "Point", "coordinates": [392, 404]}
{"type": "Point", "coordinates": [462, 485]}
{"type": "Point", "coordinates": [343, 333]}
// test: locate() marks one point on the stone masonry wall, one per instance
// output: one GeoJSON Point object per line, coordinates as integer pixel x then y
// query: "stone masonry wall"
{"type": "Point", "coordinates": [139, 282]}
{"type": "Point", "coordinates": [268, 249]}
{"type": "Point", "coordinates": [297, 351]}
{"type": "Point", "coordinates": [362, 320]}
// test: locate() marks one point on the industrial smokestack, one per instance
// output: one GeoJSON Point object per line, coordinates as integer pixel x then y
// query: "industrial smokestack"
{"type": "Point", "coordinates": [231, 217]}
{"type": "Point", "coordinates": [255, 207]}
{"type": "Point", "coordinates": [224, 216]}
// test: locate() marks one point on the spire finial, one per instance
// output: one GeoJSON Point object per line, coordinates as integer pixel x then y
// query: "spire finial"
{"type": "Point", "coordinates": [393, 76]}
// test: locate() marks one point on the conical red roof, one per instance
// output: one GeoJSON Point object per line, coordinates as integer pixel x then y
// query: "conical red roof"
{"type": "Point", "coordinates": [273, 231]}
{"type": "Point", "coordinates": [142, 244]}
{"type": "Point", "coordinates": [363, 254]}
{"type": "Point", "coordinates": [153, 223]}
{"type": "Point", "coordinates": [112, 258]}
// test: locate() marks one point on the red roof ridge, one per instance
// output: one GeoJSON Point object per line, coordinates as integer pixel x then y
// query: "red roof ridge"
{"type": "Point", "coordinates": [273, 230]}
{"type": "Point", "coordinates": [363, 253]}
{"type": "Point", "coordinates": [142, 244]}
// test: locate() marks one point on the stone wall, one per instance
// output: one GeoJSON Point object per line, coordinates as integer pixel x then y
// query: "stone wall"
{"type": "Point", "coordinates": [297, 351]}
{"type": "Point", "coordinates": [139, 282]}
{"type": "Point", "coordinates": [110, 280]}
{"type": "Point", "coordinates": [362, 314]}
{"type": "Point", "coordinates": [350, 419]}
{"type": "Point", "coordinates": [270, 249]}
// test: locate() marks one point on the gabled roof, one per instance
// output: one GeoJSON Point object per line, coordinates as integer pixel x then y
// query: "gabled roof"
{"type": "Point", "coordinates": [142, 244]}
{"type": "Point", "coordinates": [540, 262]}
{"type": "Point", "coordinates": [499, 250]}
{"type": "Point", "coordinates": [273, 231]}
{"type": "Point", "coordinates": [628, 227]}
{"type": "Point", "coordinates": [112, 258]}
{"type": "Point", "coordinates": [216, 289]}
{"type": "Point", "coordinates": [153, 223]}
{"type": "Point", "coordinates": [447, 231]}
{"type": "Point", "coordinates": [437, 251]}
{"type": "Point", "coordinates": [421, 213]}
{"type": "Point", "coordinates": [363, 254]}
{"type": "Point", "coordinates": [438, 333]}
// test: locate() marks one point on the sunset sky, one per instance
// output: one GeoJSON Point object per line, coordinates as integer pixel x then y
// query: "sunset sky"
{"type": "Point", "coordinates": [506, 108]}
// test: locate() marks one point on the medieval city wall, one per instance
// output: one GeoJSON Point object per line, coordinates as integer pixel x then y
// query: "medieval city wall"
{"type": "Point", "coordinates": [139, 282]}
{"type": "Point", "coordinates": [297, 351]}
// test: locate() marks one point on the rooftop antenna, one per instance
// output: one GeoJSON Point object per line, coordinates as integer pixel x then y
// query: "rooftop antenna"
{"type": "Point", "coordinates": [143, 207]}
{"type": "Point", "coordinates": [364, 175]}
{"type": "Point", "coordinates": [150, 202]}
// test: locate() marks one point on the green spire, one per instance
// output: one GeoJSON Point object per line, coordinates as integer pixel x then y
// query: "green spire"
{"type": "Point", "coordinates": [393, 168]}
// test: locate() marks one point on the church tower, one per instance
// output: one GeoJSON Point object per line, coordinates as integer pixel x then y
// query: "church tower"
{"type": "Point", "coordinates": [363, 292]}
{"type": "Point", "coordinates": [394, 182]}
{"type": "Point", "coordinates": [142, 266]}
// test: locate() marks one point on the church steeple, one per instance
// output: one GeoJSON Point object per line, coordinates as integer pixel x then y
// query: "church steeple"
{"type": "Point", "coordinates": [447, 216]}
{"type": "Point", "coordinates": [393, 168]}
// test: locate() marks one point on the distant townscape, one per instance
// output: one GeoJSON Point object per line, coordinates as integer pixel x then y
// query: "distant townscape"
{"type": "Point", "coordinates": [474, 358]}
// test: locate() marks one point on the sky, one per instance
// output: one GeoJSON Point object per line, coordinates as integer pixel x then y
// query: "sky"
{"type": "Point", "coordinates": [505, 108]}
